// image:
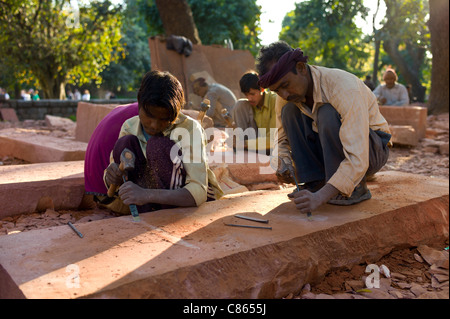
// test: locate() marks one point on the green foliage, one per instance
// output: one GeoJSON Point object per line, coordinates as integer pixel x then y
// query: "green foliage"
{"type": "Point", "coordinates": [237, 20]}
{"type": "Point", "coordinates": [325, 30]}
{"type": "Point", "coordinates": [216, 21]}
{"type": "Point", "coordinates": [126, 73]}
{"type": "Point", "coordinates": [406, 26]}
{"type": "Point", "coordinates": [59, 41]}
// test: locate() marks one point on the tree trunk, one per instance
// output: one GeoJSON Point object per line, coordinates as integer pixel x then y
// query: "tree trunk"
{"type": "Point", "coordinates": [53, 88]}
{"type": "Point", "coordinates": [177, 19]}
{"type": "Point", "coordinates": [377, 42]}
{"type": "Point", "coordinates": [376, 59]}
{"type": "Point", "coordinates": [439, 28]}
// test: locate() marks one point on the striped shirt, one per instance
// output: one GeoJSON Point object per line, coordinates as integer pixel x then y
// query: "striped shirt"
{"type": "Point", "coordinates": [200, 179]}
{"type": "Point", "coordinates": [359, 111]}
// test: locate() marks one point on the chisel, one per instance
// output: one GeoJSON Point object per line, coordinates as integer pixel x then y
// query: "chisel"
{"type": "Point", "coordinates": [133, 208]}
{"type": "Point", "coordinates": [265, 221]}
{"type": "Point", "coordinates": [308, 214]}
{"type": "Point", "coordinates": [248, 226]}
{"type": "Point", "coordinates": [75, 230]}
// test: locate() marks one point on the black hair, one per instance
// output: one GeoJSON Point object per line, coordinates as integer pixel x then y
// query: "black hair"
{"type": "Point", "coordinates": [249, 81]}
{"type": "Point", "coordinates": [161, 89]}
{"type": "Point", "coordinates": [200, 82]}
{"type": "Point", "coordinates": [270, 54]}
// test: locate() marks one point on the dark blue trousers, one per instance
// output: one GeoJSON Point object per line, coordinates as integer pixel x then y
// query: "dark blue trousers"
{"type": "Point", "coordinates": [317, 156]}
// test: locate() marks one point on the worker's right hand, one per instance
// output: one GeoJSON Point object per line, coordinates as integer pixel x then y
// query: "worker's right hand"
{"type": "Point", "coordinates": [285, 170]}
{"type": "Point", "coordinates": [113, 174]}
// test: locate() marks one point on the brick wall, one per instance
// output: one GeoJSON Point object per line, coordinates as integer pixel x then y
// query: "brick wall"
{"type": "Point", "coordinates": [36, 110]}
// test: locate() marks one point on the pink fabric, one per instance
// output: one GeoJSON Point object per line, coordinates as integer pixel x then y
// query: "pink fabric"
{"type": "Point", "coordinates": [282, 67]}
{"type": "Point", "coordinates": [101, 144]}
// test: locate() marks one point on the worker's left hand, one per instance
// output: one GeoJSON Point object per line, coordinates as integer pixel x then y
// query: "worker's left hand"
{"type": "Point", "coordinates": [306, 201]}
{"type": "Point", "coordinates": [130, 193]}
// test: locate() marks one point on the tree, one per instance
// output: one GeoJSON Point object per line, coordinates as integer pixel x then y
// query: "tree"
{"type": "Point", "coordinates": [439, 28]}
{"type": "Point", "coordinates": [125, 74]}
{"type": "Point", "coordinates": [326, 31]}
{"type": "Point", "coordinates": [59, 41]}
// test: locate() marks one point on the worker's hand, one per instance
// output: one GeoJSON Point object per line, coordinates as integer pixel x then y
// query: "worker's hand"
{"type": "Point", "coordinates": [130, 193]}
{"type": "Point", "coordinates": [113, 174]}
{"type": "Point", "coordinates": [383, 100]}
{"type": "Point", "coordinates": [306, 201]}
{"type": "Point", "coordinates": [285, 170]}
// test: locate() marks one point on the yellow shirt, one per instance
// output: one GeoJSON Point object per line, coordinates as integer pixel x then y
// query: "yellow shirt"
{"type": "Point", "coordinates": [359, 111]}
{"type": "Point", "coordinates": [265, 118]}
{"type": "Point", "coordinates": [190, 138]}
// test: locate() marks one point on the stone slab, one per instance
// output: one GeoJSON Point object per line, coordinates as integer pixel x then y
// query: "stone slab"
{"type": "Point", "coordinates": [190, 253]}
{"type": "Point", "coordinates": [416, 116]}
{"type": "Point", "coordinates": [36, 148]}
{"type": "Point", "coordinates": [8, 114]}
{"type": "Point", "coordinates": [36, 187]}
{"type": "Point", "coordinates": [61, 184]}
{"type": "Point", "coordinates": [209, 59]}
{"type": "Point", "coordinates": [88, 117]}
{"type": "Point", "coordinates": [404, 135]}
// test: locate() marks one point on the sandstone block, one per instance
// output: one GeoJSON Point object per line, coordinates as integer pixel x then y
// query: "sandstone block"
{"type": "Point", "coordinates": [8, 114]}
{"type": "Point", "coordinates": [415, 116]}
{"type": "Point", "coordinates": [88, 117]}
{"type": "Point", "coordinates": [404, 135]}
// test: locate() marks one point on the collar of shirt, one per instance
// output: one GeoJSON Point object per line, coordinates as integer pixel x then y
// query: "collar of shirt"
{"type": "Point", "coordinates": [317, 92]}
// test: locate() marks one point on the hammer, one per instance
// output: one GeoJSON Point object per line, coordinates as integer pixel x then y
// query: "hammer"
{"type": "Point", "coordinates": [127, 159]}
{"type": "Point", "coordinates": [227, 117]}
{"type": "Point", "coordinates": [204, 107]}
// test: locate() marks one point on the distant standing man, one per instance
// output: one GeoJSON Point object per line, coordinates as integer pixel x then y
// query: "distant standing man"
{"type": "Point", "coordinates": [331, 133]}
{"type": "Point", "coordinates": [256, 111]}
{"type": "Point", "coordinates": [391, 93]}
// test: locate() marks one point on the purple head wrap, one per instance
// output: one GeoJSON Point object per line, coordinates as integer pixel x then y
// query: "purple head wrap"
{"type": "Point", "coordinates": [282, 67]}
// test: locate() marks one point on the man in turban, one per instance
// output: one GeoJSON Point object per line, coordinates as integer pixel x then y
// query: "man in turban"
{"type": "Point", "coordinates": [331, 133]}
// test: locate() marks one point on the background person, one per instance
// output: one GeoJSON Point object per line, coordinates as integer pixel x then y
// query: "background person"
{"type": "Point", "coordinates": [391, 93]}
{"type": "Point", "coordinates": [220, 97]}
{"type": "Point", "coordinates": [256, 111]}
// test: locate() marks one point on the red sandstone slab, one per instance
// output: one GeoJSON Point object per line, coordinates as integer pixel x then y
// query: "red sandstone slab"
{"type": "Point", "coordinates": [416, 116]}
{"type": "Point", "coordinates": [88, 117]}
{"type": "Point", "coordinates": [27, 188]}
{"type": "Point", "coordinates": [190, 253]}
{"type": "Point", "coordinates": [8, 114]}
{"type": "Point", "coordinates": [36, 148]}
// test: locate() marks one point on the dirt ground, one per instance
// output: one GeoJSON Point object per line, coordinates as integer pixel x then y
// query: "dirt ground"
{"type": "Point", "coordinates": [410, 276]}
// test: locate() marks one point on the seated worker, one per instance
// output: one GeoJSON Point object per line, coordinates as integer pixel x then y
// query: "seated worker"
{"type": "Point", "coordinates": [257, 111]}
{"type": "Point", "coordinates": [332, 126]}
{"type": "Point", "coordinates": [161, 178]}
{"type": "Point", "coordinates": [391, 93]}
{"type": "Point", "coordinates": [220, 97]}
{"type": "Point", "coordinates": [99, 149]}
